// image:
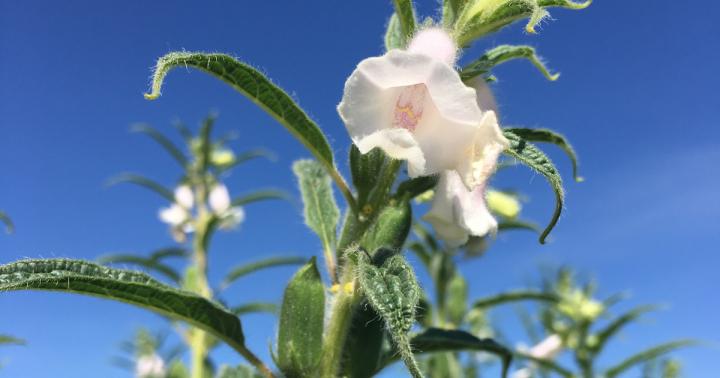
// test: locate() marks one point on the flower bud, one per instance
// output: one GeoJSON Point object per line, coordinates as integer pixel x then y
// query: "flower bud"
{"type": "Point", "coordinates": [436, 43]}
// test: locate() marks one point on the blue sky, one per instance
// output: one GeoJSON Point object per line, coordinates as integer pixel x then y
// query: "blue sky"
{"type": "Point", "coordinates": [637, 96]}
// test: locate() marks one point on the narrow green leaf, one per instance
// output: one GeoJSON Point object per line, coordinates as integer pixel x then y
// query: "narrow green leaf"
{"type": "Point", "coordinates": [517, 224]}
{"type": "Point", "coordinates": [604, 335]}
{"type": "Point", "coordinates": [547, 364]}
{"type": "Point", "coordinates": [515, 296]}
{"type": "Point", "coordinates": [261, 195]}
{"type": "Point", "coordinates": [301, 323]}
{"type": "Point", "coordinates": [163, 253]}
{"type": "Point", "coordinates": [392, 290]}
{"type": "Point", "coordinates": [647, 355]}
{"type": "Point", "coordinates": [246, 156]}
{"type": "Point", "coordinates": [5, 219]}
{"type": "Point", "coordinates": [254, 307]}
{"type": "Point", "coordinates": [450, 11]}
{"type": "Point", "coordinates": [549, 136]}
{"type": "Point", "coordinates": [254, 266]}
{"type": "Point", "coordinates": [206, 142]}
{"type": "Point", "coordinates": [405, 11]}
{"type": "Point", "coordinates": [163, 141]}
{"type": "Point", "coordinates": [147, 263]}
{"type": "Point", "coordinates": [321, 211]}
{"type": "Point", "coordinates": [414, 187]}
{"type": "Point", "coordinates": [394, 35]}
{"type": "Point", "coordinates": [502, 54]}
{"type": "Point", "coordinates": [240, 371]}
{"type": "Point", "coordinates": [145, 183]}
{"type": "Point", "coordinates": [256, 87]}
{"type": "Point", "coordinates": [365, 170]}
{"type": "Point", "coordinates": [7, 339]}
{"type": "Point", "coordinates": [82, 277]}
{"type": "Point", "coordinates": [531, 156]}
{"type": "Point", "coordinates": [436, 340]}
{"type": "Point", "coordinates": [484, 17]}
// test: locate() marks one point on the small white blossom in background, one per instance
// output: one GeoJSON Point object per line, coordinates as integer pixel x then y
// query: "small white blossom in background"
{"type": "Point", "coordinates": [150, 366]}
{"type": "Point", "coordinates": [179, 215]}
{"type": "Point", "coordinates": [221, 205]}
{"type": "Point", "coordinates": [547, 349]}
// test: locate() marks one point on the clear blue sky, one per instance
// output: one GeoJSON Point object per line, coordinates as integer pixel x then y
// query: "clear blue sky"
{"type": "Point", "coordinates": [637, 96]}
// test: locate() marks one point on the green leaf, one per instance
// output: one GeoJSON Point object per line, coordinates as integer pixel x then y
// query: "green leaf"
{"type": "Point", "coordinates": [164, 253]}
{"type": "Point", "coordinates": [7, 339]}
{"type": "Point", "coordinates": [604, 335]}
{"type": "Point", "coordinates": [364, 343]}
{"type": "Point", "coordinates": [240, 371]}
{"type": "Point", "coordinates": [394, 35]}
{"type": "Point", "coordinates": [502, 54]}
{"type": "Point", "coordinates": [414, 187]}
{"type": "Point", "coordinates": [365, 170]}
{"type": "Point", "coordinates": [258, 88]}
{"type": "Point", "coordinates": [517, 224]}
{"type": "Point", "coordinates": [163, 141]}
{"type": "Point", "coordinates": [261, 195]}
{"type": "Point", "coordinates": [457, 295]}
{"type": "Point", "coordinates": [254, 266]}
{"type": "Point", "coordinates": [547, 364]}
{"type": "Point", "coordinates": [301, 323]}
{"type": "Point", "coordinates": [515, 296]}
{"type": "Point", "coordinates": [647, 355]}
{"type": "Point", "coordinates": [5, 219]}
{"type": "Point", "coordinates": [482, 17]}
{"type": "Point", "coordinates": [436, 340]}
{"type": "Point", "coordinates": [391, 228]}
{"type": "Point", "coordinates": [549, 136]}
{"type": "Point", "coordinates": [206, 143]}
{"type": "Point", "coordinates": [531, 156]}
{"type": "Point", "coordinates": [321, 211]}
{"type": "Point", "coordinates": [392, 290]}
{"type": "Point", "coordinates": [254, 307]}
{"type": "Point", "coordinates": [450, 11]}
{"type": "Point", "coordinates": [249, 155]}
{"type": "Point", "coordinates": [139, 289]}
{"type": "Point", "coordinates": [405, 12]}
{"type": "Point", "coordinates": [145, 183]}
{"type": "Point", "coordinates": [147, 263]}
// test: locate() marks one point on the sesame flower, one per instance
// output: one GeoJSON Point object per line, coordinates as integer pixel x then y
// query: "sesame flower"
{"type": "Point", "coordinates": [413, 105]}
{"type": "Point", "coordinates": [150, 366]}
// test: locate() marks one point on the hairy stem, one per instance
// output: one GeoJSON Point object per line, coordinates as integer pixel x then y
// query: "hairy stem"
{"type": "Point", "coordinates": [339, 324]}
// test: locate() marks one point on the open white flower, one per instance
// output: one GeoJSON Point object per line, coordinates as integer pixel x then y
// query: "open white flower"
{"type": "Point", "coordinates": [150, 366]}
{"type": "Point", "coordinates": [457, 212]}
{"type": "Point", "coordinates": [178, 213]}
{"type": "Point", "coordinates": [232, 218]}
{"type": "Point", "coordinates": [413, 105]}
{"type": "Point", "coordinates": [184, 196]}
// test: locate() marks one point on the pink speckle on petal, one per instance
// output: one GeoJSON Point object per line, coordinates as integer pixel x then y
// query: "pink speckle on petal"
{"type": "Point", "coordinates": [409, 107]}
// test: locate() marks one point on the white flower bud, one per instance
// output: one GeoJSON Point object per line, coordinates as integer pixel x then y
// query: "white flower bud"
{"type": "Point", "coordinates": [219, 199]}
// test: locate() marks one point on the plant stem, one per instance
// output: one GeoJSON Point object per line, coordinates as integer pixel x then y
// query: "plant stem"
{"type": "Point", "coordinates": [339, 325]}
{"type": "Point", "coordinates": [198, 337]}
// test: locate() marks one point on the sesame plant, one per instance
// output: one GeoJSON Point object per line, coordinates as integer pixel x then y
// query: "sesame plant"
{"type": "Point", "coordinates": [569, 319]}
{"type": "Point", "coordinates": [417, 122]}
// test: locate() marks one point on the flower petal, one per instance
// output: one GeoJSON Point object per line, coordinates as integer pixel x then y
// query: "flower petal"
{"type": "Point", "coordinates": [457, 213]}
{"type": "Point", "coordinates": [482, 158]}
{"type": "Point", "coordinates": [184, 196]}
{"type": "Point", "coordinates": [219, 199]}
{"type": "Point", "coordinates": [174, 215]}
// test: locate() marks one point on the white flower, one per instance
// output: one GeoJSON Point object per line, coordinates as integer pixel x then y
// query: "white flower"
{"type": "Point", "coordinates": [457, 212]}
{"type": "Point", "coordinates": [150, 366]}
{"type": "Point", "coordinates": [547, 349]}
{"type": "Point", "coordinates": [175, 215]}
{"type": "Point", "coordinates": [219, 199]}
{"type": "Point", "coordinates": [184, 196]}
{"type": "Point", "coordinates": [232, 218]}
{"type": "Point", "coordinates": [413, 105]}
